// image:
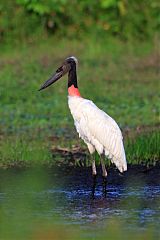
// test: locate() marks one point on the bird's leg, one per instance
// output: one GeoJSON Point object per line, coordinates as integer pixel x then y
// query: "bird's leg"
{"type": "Point", "coordinates": [94, 174]}
{"type": "Point", "coordinates": [104, 172]}
{"type": "Point", "coordinates": [104, 175]}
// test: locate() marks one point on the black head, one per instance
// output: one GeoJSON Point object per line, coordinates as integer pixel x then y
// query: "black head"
{"type": "Point", "coordinates": [71, 60]}
{"type": "Point", "coordinates": [69, 63]}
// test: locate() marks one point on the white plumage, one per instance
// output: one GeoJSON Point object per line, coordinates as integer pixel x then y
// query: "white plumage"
{"type": "Point", "coordinates": [98, 130]}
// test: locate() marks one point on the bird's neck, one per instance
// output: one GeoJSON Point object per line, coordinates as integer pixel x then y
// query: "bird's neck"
{"type": "Point", "coordinates": [72, 82]}
{"type": "Point", "coordinates": [74, 92]}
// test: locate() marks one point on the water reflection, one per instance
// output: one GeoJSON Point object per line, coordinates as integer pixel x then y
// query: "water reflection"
{"type": "Point", "coordinates": [53, 196]}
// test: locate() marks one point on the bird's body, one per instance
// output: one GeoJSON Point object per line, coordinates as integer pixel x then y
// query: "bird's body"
{"type": "Point", "coordinates": [98, 130]}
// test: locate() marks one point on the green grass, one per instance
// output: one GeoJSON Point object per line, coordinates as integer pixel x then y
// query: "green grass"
{"type": "Point", "coordinates": [144, 149]}
{"type": "Point", "coordinates": [121, 78]}
{"type": "Point", "coordinates": [22, 151]}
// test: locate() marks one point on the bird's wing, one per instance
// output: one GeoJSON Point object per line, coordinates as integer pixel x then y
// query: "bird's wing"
{"type": "Point", "coordinates": [98, 128]}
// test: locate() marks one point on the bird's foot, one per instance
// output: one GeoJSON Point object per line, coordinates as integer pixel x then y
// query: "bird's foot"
{"type": "Point", "coordinates": [94, 185]}
{"type": "Point", "coordinates": [104, 186]}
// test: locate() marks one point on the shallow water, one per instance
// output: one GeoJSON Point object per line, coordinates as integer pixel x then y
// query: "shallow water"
{"type": "Point", "coordinates": [65, 195]}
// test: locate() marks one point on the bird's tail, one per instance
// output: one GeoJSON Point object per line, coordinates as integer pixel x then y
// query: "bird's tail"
{"type": "Point", "coordinates": [120, 162]}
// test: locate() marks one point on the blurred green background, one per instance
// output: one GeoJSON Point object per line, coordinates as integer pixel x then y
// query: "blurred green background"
{"type": "Point", "coordinates": [21, 19]}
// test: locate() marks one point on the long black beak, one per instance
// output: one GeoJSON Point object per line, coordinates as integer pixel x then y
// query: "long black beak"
{"type": "Point", "coordinates": [58, 74]}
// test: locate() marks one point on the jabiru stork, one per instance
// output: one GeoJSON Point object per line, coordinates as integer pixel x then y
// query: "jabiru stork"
{"type": "Point", "coordinates": [97, 129]}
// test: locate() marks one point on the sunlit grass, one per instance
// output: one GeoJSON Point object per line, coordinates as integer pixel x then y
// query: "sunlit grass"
{"type": "Point", "coordinates": [21, 151]}
{"type": "Point", "coordinates": [144, 149]}
{"type": "Point", "coordinates": [26, 151]}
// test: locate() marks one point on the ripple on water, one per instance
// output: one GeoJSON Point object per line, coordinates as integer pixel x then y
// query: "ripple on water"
{"type": "Point", "coordinates": [137, 204]}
